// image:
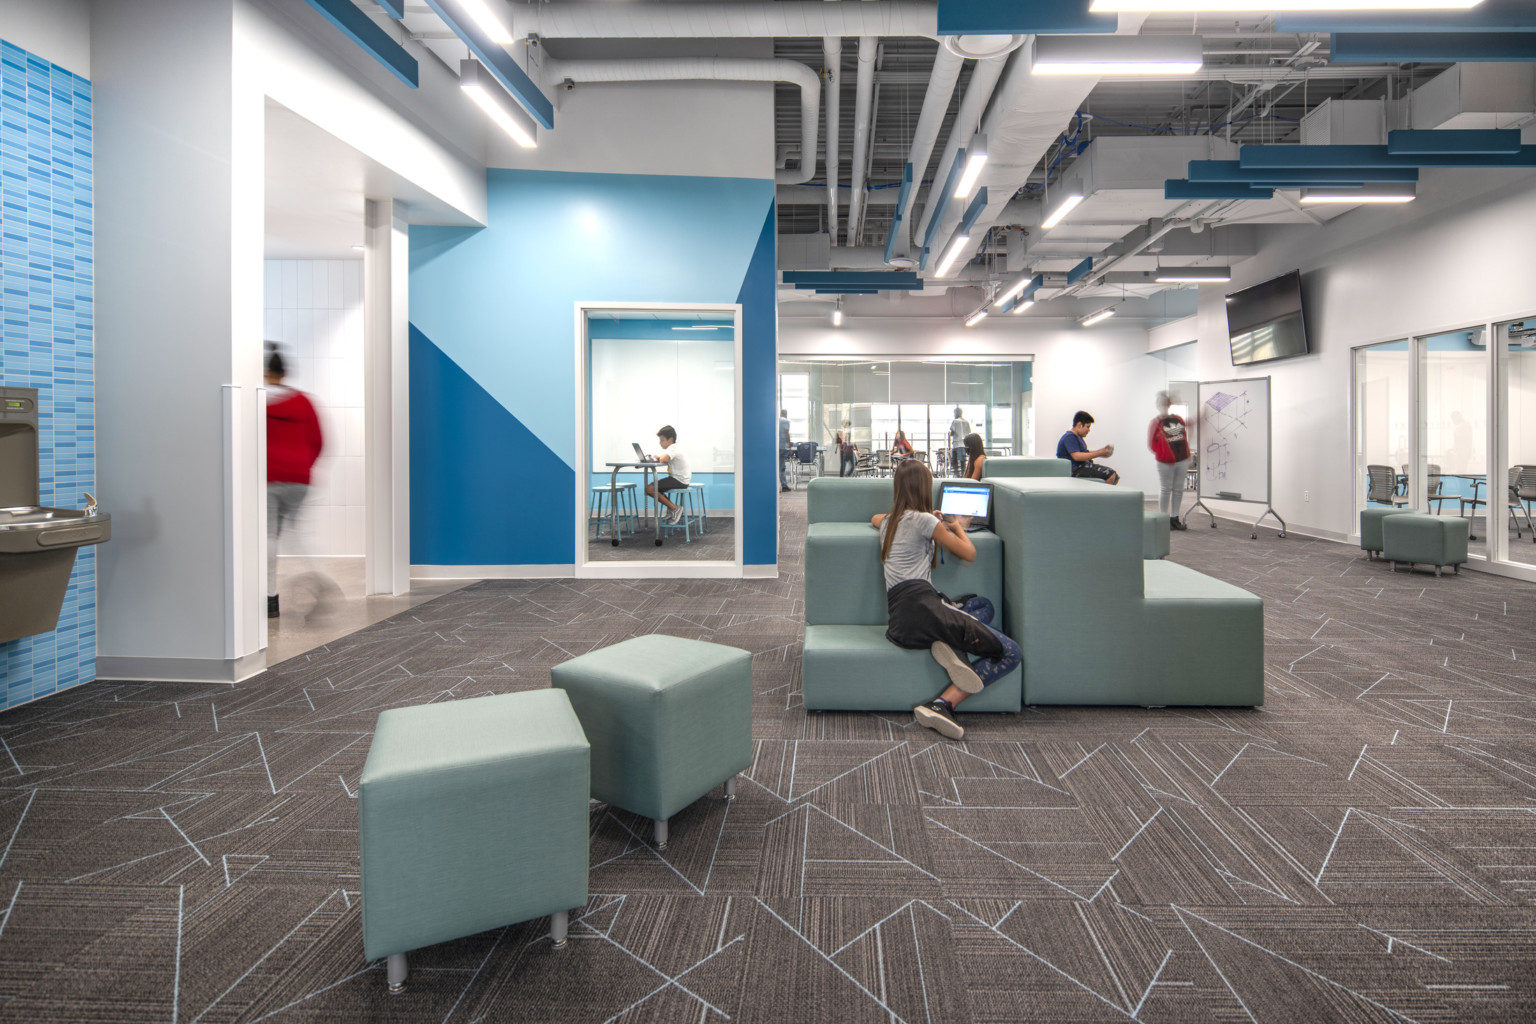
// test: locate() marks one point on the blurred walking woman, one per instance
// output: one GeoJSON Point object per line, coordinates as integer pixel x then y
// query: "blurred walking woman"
{"type": "Point", "coordinates": [1168, 437]}
{"type": "Point", "coordinates": [921, 617]}
{"type": "Point", "coordinates": [847, 451]}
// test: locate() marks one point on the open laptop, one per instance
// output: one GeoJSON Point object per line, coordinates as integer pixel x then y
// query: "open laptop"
{"type": "Point", "coordinates": [640, 453]}
{"type": "Point", "coordinates": [968, 499]}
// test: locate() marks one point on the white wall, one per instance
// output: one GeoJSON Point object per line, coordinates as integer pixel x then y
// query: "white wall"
{"type": "Point", "coordinates": [56, 30]}
{"type": "Point", "coordinates": [1458, 256]}
{"type": "Point", "coordinates": [1105, 370]}
{"type": "Point", "coordinates": [314, 311]}
{"type": "Point", "coordinates": [638, 385]}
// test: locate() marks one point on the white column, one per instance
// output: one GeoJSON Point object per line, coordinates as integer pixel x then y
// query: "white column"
{"type": "Point", "coordinates": [386, 402]}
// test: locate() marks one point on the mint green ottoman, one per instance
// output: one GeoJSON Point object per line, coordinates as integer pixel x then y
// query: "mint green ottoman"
{"type": "Point", "coordinates": [1422, 539]}
{"type": "Point", "coordinates": [1370, 527]}
{"type": "Point", "coordinates": [472, 815]}
{"type": "Point", "coordinates": [669, 720]}
{"type": "Point", "coordinates": [1155, 527]}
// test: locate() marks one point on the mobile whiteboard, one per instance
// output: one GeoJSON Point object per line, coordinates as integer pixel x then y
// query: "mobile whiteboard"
{"type": "Point", "coordinates": [1233, 443]}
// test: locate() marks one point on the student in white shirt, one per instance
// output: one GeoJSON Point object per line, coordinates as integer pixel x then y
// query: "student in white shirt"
{"type": "Point", "coordinates": [677, 467]}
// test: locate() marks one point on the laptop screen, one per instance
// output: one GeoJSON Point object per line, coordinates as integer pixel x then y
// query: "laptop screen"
{"type": "Point", "coordinates": [639, 452]}
{"type": "Point", "coordinates": [961, 500]}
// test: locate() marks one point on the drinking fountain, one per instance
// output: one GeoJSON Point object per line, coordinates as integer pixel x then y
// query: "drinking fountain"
{"type": "Point", "coordinates": [37, 544]}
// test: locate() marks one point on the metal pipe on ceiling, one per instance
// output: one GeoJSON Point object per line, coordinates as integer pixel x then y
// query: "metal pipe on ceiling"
{"type": "Point", "coordinates": [864, 88]}
{"type": "Point", "coordinates": [714, 69]}
{"type": "Point", "coordinates": [832, 52]}
{"type": "Point", "coordinates": [941, 86]}
{"type": "Point", "coordinates": [984, 79]}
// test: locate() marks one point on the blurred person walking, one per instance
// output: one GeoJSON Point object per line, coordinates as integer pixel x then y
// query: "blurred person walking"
{"type": "Point", "coordinates": [1168, 437]}
{"type": "Point", "coordinates": [293, 444]}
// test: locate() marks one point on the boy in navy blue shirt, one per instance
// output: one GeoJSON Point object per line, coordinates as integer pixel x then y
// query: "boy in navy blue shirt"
{"type": "Point", "coordinates": [1073, 448]}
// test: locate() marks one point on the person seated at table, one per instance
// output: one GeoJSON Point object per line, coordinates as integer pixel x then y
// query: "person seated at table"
{"type": "Point", "coordinates": [975, 455]}
{"type": "Point", "coordinates": [1073, 448]}
{"type": "Point", "coordinates": [679, 474]}
{"type": "Point", "coordinates": [901, 446]}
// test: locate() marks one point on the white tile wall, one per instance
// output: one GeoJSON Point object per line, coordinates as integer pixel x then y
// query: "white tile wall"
{"type": "Point", "coordinates": [314, 311]}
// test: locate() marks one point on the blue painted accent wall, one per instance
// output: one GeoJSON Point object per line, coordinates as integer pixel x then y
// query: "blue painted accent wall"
{"type": "Point", "coordinates": [499, 304]}
{"type": "Point", "coordinates": [46, 264]}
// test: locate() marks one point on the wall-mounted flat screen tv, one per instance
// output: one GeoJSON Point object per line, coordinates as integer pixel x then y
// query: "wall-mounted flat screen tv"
{"type": "Point", "coordinates": [1265, 322]}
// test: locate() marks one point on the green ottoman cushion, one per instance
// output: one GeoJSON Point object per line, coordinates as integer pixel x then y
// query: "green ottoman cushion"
{"type": "Point", "coordinates": [855, 668]}
{"type": "Point", "coordinates": [1154, 535]}
{"type": "Point", "coordinates": [1024, 465]}
{"type": "Point", "coordinates": [669, 719]}
{"type": "Point", "coordinates": [472, 815]}
{"type": "Point", "coordinates": [853, 499]}
{"type": "Point", "coordinates": [844, 582]}
{"type": "Point", "coordinates": [1425, 539]}
{"type": "Point", "coordinates": [1370, 525]}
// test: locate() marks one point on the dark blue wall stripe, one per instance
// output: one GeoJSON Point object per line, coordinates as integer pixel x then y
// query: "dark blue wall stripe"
{"type": "Point", "coordinates": [759, 418]}
{"type": "Point", "coordinates": [478, 511]}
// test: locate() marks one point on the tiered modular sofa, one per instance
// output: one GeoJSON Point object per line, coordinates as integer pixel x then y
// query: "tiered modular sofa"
{"type": "Point", "coordinates": [1098, 623]}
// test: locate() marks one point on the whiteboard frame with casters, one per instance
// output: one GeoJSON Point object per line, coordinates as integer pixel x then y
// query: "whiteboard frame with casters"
{"type": "Point", "coordinates": [1269, 455]}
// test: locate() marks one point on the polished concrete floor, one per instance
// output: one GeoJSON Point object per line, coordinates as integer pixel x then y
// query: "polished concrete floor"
{"type": "Point", "coordinates": [322, 600]}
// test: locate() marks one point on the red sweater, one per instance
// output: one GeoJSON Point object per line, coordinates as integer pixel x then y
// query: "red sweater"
{"type": "Point", "coordinates": [293, 436]}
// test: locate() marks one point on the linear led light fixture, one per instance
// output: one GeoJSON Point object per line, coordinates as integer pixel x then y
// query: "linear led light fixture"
{"type": "Point", "coordinates": [956, 247]}
{"type": "Point", "coordinates": [483, 16]}
{"type": "Point", "coordinates": [1022, 306]}
{"type": "Point", "coordinates": [489, 96]}
{"type": "Point", "coordinates": [837, 314]}
{"type": "Point", "coordinates": [975, 156]}
{"type": "Point", "coordinates": [976, 317]}
{"type": "Point", "coordinates": [1067, 204]}
{"type": "Point", "coordinates": [1382, 193]}
{"type": "Point", "coordinates": [1192, 275]}
{"type": "Point", "coordinates": [1099, 317]}
{"type": "Point", "coordinates": [1270, 6]}
{"type": "Point", "coordinates": [1117, 55]}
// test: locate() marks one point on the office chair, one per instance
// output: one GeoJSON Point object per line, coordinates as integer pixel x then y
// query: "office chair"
{"type": "Point", "coordinates": [1382, 487]}
{"type": "Point", "coordinates": [1435, 494]}
{"type": "Point", "coordinates": [805, 461]}
{"type": "Point", "coordinates": [1522, 491]}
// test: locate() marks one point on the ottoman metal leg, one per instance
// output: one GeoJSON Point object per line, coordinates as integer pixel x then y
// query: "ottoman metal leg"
{"type": "Point", "coordinates": [396, 973]}
{"type": "Point", "coordinates": [730, 788]}
{"type": "Point", "coordinates": [559, 924]}
{"type": "Point", "coordinates": [660, 832]}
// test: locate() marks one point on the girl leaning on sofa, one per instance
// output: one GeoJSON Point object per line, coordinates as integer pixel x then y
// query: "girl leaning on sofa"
{"type": "Point", "coordinates": [921, 617]}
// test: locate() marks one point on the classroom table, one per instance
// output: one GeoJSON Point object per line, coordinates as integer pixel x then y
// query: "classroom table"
{"type": "Point", "coordinates": [649, 469]}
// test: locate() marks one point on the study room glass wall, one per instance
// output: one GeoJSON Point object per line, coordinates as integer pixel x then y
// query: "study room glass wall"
{"type": "Point", "coordinates": [876, 398]}
{"type": "Point", "coordinates": [1515, 347]}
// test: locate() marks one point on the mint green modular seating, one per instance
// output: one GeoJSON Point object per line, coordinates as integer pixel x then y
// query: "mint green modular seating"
{"type": "Point", "coordinates": [848, 663]}
{"type": "Point", "coordinates": [1422, 539]}
{"type": "Point", "coordinates": [472, 815]}
{"type": "Point", "coordinates": [1024, 465]}
{"type": "Point", "coordinates": [1099, 624]}
{"type": "Point", "coordinates": [850, 499]}
{"type": "Point", "coordinates": [1370, 527]}
{"type": "Point", "coordinates": [1154, 534]}
{"type": "Point", "coordinates": [669, 720]}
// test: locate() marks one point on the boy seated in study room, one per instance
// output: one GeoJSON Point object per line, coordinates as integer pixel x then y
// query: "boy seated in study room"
{"type": "Point", "coordinates": [1073, 448]}
{"type": "Point", "coordinates": [677, 466]}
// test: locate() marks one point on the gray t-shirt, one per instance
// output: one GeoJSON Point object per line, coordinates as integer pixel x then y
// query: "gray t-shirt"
{"type": "Point", "coordinates": [911, 556]}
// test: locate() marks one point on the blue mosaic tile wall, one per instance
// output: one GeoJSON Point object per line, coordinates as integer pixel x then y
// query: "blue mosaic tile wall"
{"type": "Point", "coordinates": [46, 332]}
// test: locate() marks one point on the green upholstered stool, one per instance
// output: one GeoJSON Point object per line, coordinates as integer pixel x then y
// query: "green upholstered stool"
{"type": "Point", "coordinates": [472, 815]}
{"type": "Point", "coordinates": [1370, 527]}
{"type": "Point", "coordinates": [1422, 539]}
{"type": "Point", "coordinates": [1154, 535]}
{"type": "Point", "coordinates": [1024, 465]}
{"type": "Point", "coordinates": [669, 720]}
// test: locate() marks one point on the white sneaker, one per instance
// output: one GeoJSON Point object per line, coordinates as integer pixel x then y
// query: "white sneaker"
{"type": "Point", "coordinates": [958, 666]}
{"type": "Point", "coordinates": [675, 516]}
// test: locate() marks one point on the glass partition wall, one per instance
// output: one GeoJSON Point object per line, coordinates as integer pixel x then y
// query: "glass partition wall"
{"type": "Point", "coordinates": [874, 399]}
{"type": "Point", "coordinates": [1445, 423]}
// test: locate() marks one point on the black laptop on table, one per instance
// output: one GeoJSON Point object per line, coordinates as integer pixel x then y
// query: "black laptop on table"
{"type": "Point", "coordinates": [967, 498]}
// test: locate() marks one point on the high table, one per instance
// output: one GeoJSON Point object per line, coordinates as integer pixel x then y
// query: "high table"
{"type": "Point", "coordinates": [649, 469]}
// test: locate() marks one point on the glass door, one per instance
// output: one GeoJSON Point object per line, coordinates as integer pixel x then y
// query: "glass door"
{"type": "Point", "coordinates": [1515, 445]}
{"type": "Point", "coordinates": [1382, 417]}
{"type": "Point", "coordinates": [1450, 475]}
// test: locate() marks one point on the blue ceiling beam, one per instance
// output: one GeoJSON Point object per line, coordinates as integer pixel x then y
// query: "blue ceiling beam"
{"type": "Point", "coordinates": [901, 204]}
{"type": "Point", "coordinates": [1403, 47]}
{"type": "Point", "coordinates": [857, 278]}
{"type": "Point", "coordinates": [394, 8]}
{"type": "Point", "coordinates": [1488, 16]}
{"type": "Point", "coordinates": [1315, 157]}
{"type": "Point", "coordinates": [1233, 170]}
{"type": "Point", "coordinates": [1080, 271]}
{"type": "Point", "coordinates": [1178, 188]}
{"type": "Point", "coordinates": [1468, 142]}
{"type": "Point", "coordinates": [940, 202]}
{"type": "Point", "coordinates": [973, 211]}
{"type": "Point", "coordinates": [497, 61]}
{"type": "Point", "coordinates": [361, 30]}
{"type": "Point", "coordinates": [1017, 17]}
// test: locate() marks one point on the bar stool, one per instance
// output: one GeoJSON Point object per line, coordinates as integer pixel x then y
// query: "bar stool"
{"type": "Point", "coordinates": [691, 500]}
{"type": "Point", "coordinates": [619, 500]}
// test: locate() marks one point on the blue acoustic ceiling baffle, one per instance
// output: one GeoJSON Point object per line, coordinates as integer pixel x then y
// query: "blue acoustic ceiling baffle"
{"type": "Point", "coordinates": [1233, 170]}
{"type": "Point", "coordinates": [1488, 16]}
{"type": "Point", "coordinates": [1080, 271]}
{"type": "Point", "coordinates": [854, 282]}
{"type": "Point", "coordinates": [1179, 188]}
{"type": "Point", "coordinates": [940, 202]}
{"type": "Point", "coordinates": [1021, 17]}
{"type": "Point", "coordinates": [901, 204]}
{"type": "Point", "coordinates": [1467, 142]}
{"type": "Point", "coordinates": [394, 8]}
{"type": "Point", "coordinates": [1403, 47]}
{"type": "Point", "coordinates": [362, 31]}
{"type": "Point", "coordinates": [1315, 157]}
{"type": "Point", "coordinates": [973, 211]}
{"type": "Point", "coordinates": [497, 61]}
